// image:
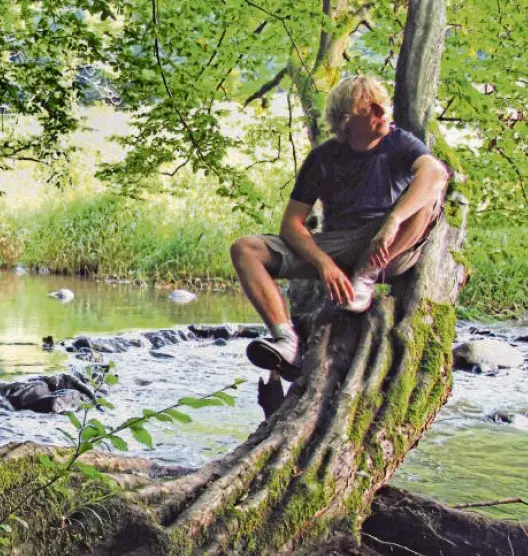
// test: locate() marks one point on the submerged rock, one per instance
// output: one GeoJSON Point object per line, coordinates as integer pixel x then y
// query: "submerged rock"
{"type": "Point", "coordinates": [101, 345]}
{"type": "Point", "coordinates": [486, 356]}
{"type": "Point", "coordinates": [224, 331]}
{"type": "Point", "coordinates": [156, 339]}
{"type": "Point", "coordinates": [161, 355]}
{"type": "Point", "coordinates": [500, 417]}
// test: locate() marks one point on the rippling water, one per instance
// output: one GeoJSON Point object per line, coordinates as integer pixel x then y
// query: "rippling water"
{"type": "Point", "coordinates": [463, 458]}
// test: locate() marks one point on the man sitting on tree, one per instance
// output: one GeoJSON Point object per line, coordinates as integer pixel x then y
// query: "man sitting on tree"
{"type": "Point", "coordinates": [380, 188]}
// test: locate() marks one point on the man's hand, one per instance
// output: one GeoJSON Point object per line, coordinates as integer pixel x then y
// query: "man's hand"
{"type": "Point", "coordinates": [381, 242]}
{"type": "Point", "coordinates": [337, 284]}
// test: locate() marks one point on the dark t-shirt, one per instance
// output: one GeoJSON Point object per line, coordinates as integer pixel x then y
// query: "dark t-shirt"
{"type": "Point", "coordinates": [357, 186]}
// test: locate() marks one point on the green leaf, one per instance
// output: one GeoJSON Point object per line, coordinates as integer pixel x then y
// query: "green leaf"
{"type": "Point", "coordinates": [105, 403]}
{"type": "Point", "coordinates": [178, 415]}
{"type": "Point", "coordinates": [148, 413]}
{"type": "Point", "coordinates": [46, 461]}
{"type": "Point", "coordinates": [118, 443]}
{"type": "Point", "coordinates": [22, 522]}
{"type": "Point", "coordinates": [111, 379]}
{"type": "Point", "coordinates": [89, 432]}
{"type": "Point", "coordinates": [5, 527]}
{"type": "Point", "coordinates": [97, 425]}
{"type": "Point", "coordinates": [88, 470]}
{"type": "Point", "coordinates": [163, 417]}
{"type": "Point", "coordinates": [226, 398]}
{"type": "Point", "coordinates": [133, 421]}
{"type": "Point", "coordinates": [143, 436]}
{"type": "Point", "coordinates": [197, 403]}
{"type": "Point", "coordinates": [85, 447]}
{"type": "Point", "coordinates": [73, 420]}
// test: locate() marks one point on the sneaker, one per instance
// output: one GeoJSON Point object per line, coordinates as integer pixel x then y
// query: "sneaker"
{"type": "Point", "coordinates": [363, 284]}
{"type": "Point", "coordinates": [275, 354]}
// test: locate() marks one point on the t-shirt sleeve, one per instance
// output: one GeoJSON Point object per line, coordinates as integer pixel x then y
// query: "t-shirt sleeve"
{"type": "Point", "coordinates": [409, 148]}
{"type": "Point", "coordinates": [308, 182]}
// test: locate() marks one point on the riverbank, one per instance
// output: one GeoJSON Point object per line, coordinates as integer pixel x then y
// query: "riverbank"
{"type": "Point", "coordinates": [181, 243]}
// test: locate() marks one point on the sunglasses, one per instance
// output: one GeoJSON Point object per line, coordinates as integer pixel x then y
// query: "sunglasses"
{"type": "Point", "coordinates": [377, 110]}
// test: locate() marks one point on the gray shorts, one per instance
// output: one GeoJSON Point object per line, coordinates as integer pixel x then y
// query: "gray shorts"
{"type": "Point", "coordinates": [344, 247]}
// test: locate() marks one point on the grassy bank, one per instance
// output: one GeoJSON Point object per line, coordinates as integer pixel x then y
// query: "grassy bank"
{"type": "Point", "coordinates": [498, 284]}
{"type": "Point", "coordinates": [186, 242]}
{"type": "Point", "coordinates": [106, 235]}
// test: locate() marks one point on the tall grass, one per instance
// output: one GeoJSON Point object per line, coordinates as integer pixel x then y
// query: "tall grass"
{"type": "Point", "coordinates": [107, 235]}
{"type": "Point", "coordinates": [161, 239]}
{"type": "Point", "coordinates": [498, 285]}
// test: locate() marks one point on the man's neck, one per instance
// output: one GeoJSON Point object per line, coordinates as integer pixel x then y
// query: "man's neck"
{"type": "Point", "coordinates": [362, 145]}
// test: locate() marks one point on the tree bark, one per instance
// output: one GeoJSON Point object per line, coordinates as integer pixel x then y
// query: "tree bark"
{"type": "Point", "coordinates": [418, 69]}
{"type": "Point", "coordinates": [402, 524]}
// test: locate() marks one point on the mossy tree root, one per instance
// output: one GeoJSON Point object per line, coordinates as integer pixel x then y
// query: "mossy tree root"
{"type": "Point", "coordinates": [371, 386]}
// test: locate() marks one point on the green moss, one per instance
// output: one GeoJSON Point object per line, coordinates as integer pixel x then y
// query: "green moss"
{"type": "Point", "coordinates": [50, 512]}
{"type": "Point", "coordinates": [461, 259]}
{"type": "Point", "coordinates": [240, 524]}
{"type": "Point", "coordinates": [453, 212]}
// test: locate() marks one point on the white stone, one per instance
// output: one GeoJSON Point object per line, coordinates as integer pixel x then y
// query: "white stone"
{"type": "Point", "coordinates": [182, 296]}
{"type": "Point", "coordinates": [63, 295]}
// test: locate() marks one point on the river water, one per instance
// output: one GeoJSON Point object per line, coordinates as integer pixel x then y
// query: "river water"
{"type": "Point", "coordinates": [463, 458]}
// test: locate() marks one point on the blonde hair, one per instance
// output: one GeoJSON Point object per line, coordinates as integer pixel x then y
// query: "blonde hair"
{"type": "Point", "coordinates": [353, 96]}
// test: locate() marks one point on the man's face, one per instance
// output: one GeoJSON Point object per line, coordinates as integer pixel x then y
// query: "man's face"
{"type": "Point", "coordinates": [371, 126]}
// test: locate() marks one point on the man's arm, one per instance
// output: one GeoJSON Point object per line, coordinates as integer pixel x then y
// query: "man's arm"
{"type": "Point", "coordinates": [428, 184]}
{"type": "Point", "coordinates": [296, 235]}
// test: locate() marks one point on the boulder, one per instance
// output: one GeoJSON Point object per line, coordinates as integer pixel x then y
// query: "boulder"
{"type": "Point", "coordinates": [486, 356]}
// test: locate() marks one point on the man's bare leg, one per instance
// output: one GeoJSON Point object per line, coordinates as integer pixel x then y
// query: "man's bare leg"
{"type": "Point", "coordinates": [254, 263]}
{"type": "Point", "coordinates": [410, 233]}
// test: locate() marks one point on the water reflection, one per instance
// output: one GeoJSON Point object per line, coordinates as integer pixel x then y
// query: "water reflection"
{"type": "Point", "coordinates": [29, 314]}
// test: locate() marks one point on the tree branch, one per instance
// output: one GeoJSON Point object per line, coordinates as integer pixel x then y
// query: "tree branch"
{"type": "Point", "coordinates": [490, 503]}
{"type": "Point", "coordinates": [271, 84]}
{"type": "Point", "coordinates": [179, 113]}
{"type": "Point", "coordinates": [268, 161]}
{"type": "Point", "coordinates": [516, 169]}
{"type": "Point", "coordinates": [283, 19]}
{"type": "Point", "coordinates": [393, 544]}
{"type": "Point", "coordinates": [179, 167]}
{"type": "Point", "coordinates": [290, 132]}
{"type": "Point", "coordinates": [213, 55]}
{"type": "Point", "coordinates": [448, 105]}
{"type": "Point", "coordinates": [257, 31]}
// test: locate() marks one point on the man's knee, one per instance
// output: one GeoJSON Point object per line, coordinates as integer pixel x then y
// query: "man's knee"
{"type": "Point", "coordinates": [253, 248]}
{"type": "Point", "coordinates": [248, 247]}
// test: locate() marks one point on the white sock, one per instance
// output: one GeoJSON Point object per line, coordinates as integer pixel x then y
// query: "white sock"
{"type": "Point", "coordinates": [283, 330]}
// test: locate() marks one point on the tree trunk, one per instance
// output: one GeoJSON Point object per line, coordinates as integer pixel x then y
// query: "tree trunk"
{"type": "Point", "coordinates": [370, 386]}
{"type": "Point", "coordinates": [418, 68]}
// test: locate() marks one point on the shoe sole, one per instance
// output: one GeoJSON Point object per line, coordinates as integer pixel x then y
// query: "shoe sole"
{"type": "Point", "coordinates": [262, 356]}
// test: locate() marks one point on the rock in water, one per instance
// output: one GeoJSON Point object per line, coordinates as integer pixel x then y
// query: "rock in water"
{"type": "Point", "coordinates": [64, 295]}
{"type": "Point", "coordinates": [182, 296]}
{"type": "Point", "coordinates": [487, 354]}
